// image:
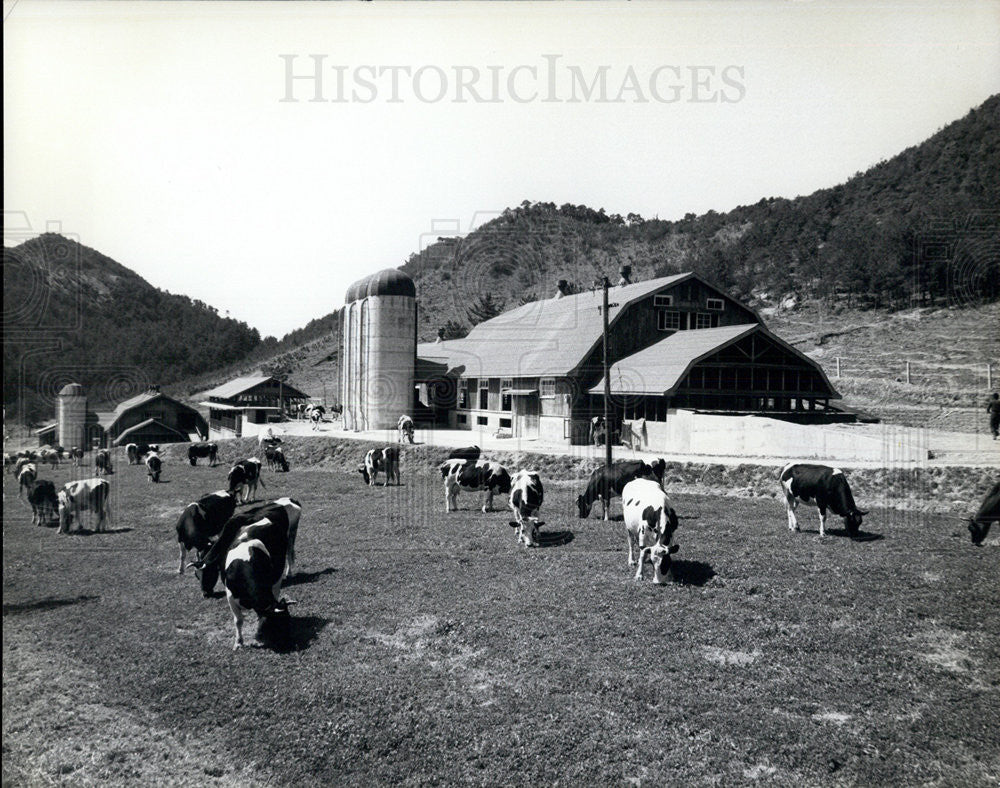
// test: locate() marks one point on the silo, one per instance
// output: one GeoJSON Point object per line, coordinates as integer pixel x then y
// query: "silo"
{"type": "Point", "coordinates": [71, 414]}
{"type": "Point", "coordinates": [379, 329]}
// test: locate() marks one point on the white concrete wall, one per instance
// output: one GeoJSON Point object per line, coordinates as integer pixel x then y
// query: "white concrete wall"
{"type": "Point", "coordinates": [552, 428]}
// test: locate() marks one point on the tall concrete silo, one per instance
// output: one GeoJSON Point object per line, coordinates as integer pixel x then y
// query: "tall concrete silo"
{"type": "Point", "coordinates": [71, 414]}
{"type": "Point", "coordinates": [379, 347]}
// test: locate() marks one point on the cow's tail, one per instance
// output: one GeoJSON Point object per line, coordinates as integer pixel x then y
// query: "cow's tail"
{"type": "Point", "coordinates": [260, 480]}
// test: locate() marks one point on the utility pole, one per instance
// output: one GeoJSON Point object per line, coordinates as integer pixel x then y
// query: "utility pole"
{"type": "Point", "coordinates": [607, 382]}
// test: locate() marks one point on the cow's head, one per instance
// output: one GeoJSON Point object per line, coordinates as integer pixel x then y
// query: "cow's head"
{"type": "Point", "coordinates": [527, 532]}
{"type": "Point", "coordinates": [274, 627]}
{"type": "Point", "coordinates": [659, 557]}
{"type": "Point", "coordinates": [658, 467]}
{"type": "Point", "coordinates": [207, 574]}
{"type": "Point", "coordinates": [583, 506]}
{"type": "Point", "coordinates": [978, 531]}
{"type": "Point", "coordinates": [853, 521]}
{"type": "Point", "coordinates": [363, 470]}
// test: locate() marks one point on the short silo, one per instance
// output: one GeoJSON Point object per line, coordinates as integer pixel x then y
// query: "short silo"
{"type": "Point", "coordinates": [379, 347]}
{"type": "Point", "coordinates": [71, 414]}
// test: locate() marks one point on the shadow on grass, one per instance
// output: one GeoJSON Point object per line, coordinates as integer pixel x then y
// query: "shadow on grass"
{"type": "Point", "coordinates": [554, 538]}
{"type": "Point", "coordinates": [91, 532]}
{"type": "Point", "coordinates": [44, 604]}
{"type": "Point", "coordinates": [691, 573]}
{"type": "Point", "coordinates": [300, 578]}
{"type": "Point", "coordinates": [860, 536]}
{"type": "Point", "coordinates": [302, 631]}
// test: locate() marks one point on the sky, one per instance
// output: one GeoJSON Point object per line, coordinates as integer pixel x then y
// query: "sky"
{"type": "Point", "coordinates": [261, 157]}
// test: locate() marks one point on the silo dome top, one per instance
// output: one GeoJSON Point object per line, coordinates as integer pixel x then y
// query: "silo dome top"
{"type": "Point", "coordinates": [390, 281]}
{"type": "Point", "coordinates": [71, 390]}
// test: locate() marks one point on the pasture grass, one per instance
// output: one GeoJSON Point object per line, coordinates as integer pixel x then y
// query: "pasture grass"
{"type": "Point", "coordinates": [433, 649]}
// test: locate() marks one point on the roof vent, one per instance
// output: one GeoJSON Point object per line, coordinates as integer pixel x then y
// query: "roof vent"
{"type": "Point", "coordinates": [562, 288]}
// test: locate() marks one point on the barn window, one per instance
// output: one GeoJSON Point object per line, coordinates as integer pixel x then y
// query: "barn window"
{"type": "Point", "coordinates": [547, 387]}
{"type": "Point", "coordinates": [716, 303]}
{"type": "Point", "coordinates": [482, 420]}
{"type": "Point", "coordinates": [484, 393]}
{"type": "Point", "coordinates": [461, 418]}
{"type": "Point", "coordinates": [668, 320]}
{"type": "Point", "coordinates": [506, 384]}
{"type": "Point", "coordinates": [463, 393]}
{"type": "Point", "coordinates": [663, 300]}
{"type": "Point", "coordinates": [505, 424]}
{"type": "Point", "coordinates": [704, 320]}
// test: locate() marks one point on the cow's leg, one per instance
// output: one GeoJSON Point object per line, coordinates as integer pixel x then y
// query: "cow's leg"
{"type": "Point", "coordinates": [237, 611]}
{"type": "Point", "coordinates": [447, 497]}
{"type": "Point", "coordinates": [633, 544]}
{"type": "Point", "coordinates": [822, 519]}
{"type": "Point", "coordinates": [488, 502]}
{"type": "Point", "coordinates": [605, 503]}
{"type": "Point", "coordinates": [180, 569]}
{"type": "Point", "coordinates": [790, 503]}
{"type": "Point", "coordinates": [643, 554]}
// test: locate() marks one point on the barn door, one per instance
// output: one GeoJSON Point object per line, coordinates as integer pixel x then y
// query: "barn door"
{"type": "Point", "coordinates": [526, 412]}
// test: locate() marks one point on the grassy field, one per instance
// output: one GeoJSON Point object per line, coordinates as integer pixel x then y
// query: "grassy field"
{"type": "Point", "coordinates": [432, 649]}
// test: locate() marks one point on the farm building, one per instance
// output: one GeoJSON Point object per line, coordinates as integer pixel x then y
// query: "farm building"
{"type": "Point", "coordinates": [674, 342]}
{"type": "Point", "coordinates": [153, 417]}
{"type": "Point", "coordinates": [249, 400]}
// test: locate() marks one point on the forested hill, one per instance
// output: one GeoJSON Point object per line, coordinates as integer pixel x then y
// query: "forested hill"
{"type": "Point", "coordinates": [922, 225]}
{"type": "Point", "coordinates": [71, 313]}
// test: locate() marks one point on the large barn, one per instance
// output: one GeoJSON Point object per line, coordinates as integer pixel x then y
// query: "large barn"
{"type": "Point", "coordinates": [254, 400]}
{"type": "Point", "coordinates": [674, 342]}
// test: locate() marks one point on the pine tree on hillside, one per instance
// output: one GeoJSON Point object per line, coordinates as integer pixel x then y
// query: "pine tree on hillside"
{"type": "Point", "coordinates": [483, 308]}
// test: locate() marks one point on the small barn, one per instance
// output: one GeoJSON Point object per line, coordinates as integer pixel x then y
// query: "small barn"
{"type": "Point", "coordinates": [254, 400]}
{"type": "Point", "coordinates": [674, 342]}
{"type": "Point", "coordinates": [153, 417]}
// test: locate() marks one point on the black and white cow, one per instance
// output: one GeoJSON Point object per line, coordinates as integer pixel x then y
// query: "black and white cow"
{"type": "Point", "coordinates": [154, 466]}
{"type": "Point", "coordinates": [202, 520]}
{"type": "Point", "coordinates": [526, 496]}
{"type": "Point", "coordinates": [823, 487]}
{"type": "Point", "coordinates": [244, 478]}
{"type": "Point", "coordinates": [198, 451]}
{"type": "Point", "coordinates": [44, 502]}
{"type": "Point", "coordinates": [49, 457]}
{"type": "Point", "coordinates": [607, 483]}
{"type": "Point", "coordinates": [20, 465]}
{"type": "Point", "coordinates": [405, 427]}
{"type": "Point", "coordinates": [76, 454]}
{"type": "Point", "coordinates": [650, 522]}
{"type": "Point", "coordinates": [252, 553]}
{"type": "Point", "coordinates": [473, 475]}
{"type": "Point", "coordinates": [380, 460]}
{"type": "Point", "coordinates": [275, 457]}
{"type": "Point", "coordinates": [82, 496]}
{"type": "Point", "coordinates": [315, 414]}
{"type": "Point", "coordinates": [465, 453]}
{"type": "Point", "coordinates": [989, 513]}
{"type": "Point", "coordinates": [102, 462]}
{"type": "Point", "coordinates": [132, 452]}
{"type": "Point", "coordinates": [26, 477]}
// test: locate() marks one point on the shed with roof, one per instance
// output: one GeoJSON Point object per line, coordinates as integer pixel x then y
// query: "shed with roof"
{"type": "Point", "coordinates": [257, 399]}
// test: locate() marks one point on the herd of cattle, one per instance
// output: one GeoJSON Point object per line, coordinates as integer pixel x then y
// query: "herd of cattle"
{"type": "Point", "coordinates": [254, 550]}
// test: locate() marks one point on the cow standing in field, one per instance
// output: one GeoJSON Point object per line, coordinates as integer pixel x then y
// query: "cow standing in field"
{"type": "Point", "coordinates": [202, 520]}
{"type": "Point", "coordinates": [275, 457]}
{"type": "Point", "coordinates": [50, 457]}
{"type": "Point", "coordinates": [198, 451]}
{"type": "Point", "coordinates": [315, 414]}
{"type": "Point", "coordinates": [405, 427]}
{"type": "Point", "coordinates": [26, 477]}
{"type": "Point", "coordinates": [822, 487]}
{"type": "Point", "coordinates": [465, 453]}
{"type": "Point", "coordinates": [132, 452]}
{"type": "Point", "coordinates": [44, 502]}
{"type": "Point", "coordinates": [380, 460]}
{"type": "Point", "coordinates": [81, 496]}
{"type": "Point", "coordinates": [526, 496]}
{"type": "Point", "coordinates": [20, 465]}
{"type": "Point", "coordinates": [471, 476]}
{"type": "Point", "coordinates": [154, 466]}
{"type": "Point", "coordinates": [76, 453]}
{"type": "Point", "coordinates": [244, 478]}
{"type": "Point", "coordinates": [607, 483]}
{"type": "Point", "coordinates": [102, 463]}
{"type": "Point", "coordinates": [989, 513]}
{"type": "Point", "coordinates": [254, 554]}
{"type": "Point", "coordinates": [650, 522]}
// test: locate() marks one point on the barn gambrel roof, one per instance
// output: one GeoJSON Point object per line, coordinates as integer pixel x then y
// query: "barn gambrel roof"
{"type": "Point", "coordinates": [542, 338]}
{"type": "Point", "coordinates": [238, 386]}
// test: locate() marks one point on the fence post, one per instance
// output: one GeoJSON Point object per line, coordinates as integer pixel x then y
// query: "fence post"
{"type": "Point", "coordinates": [838, 366]}
{"type": "Point", "coordinates": [907, 371]}
{"type": "Point", "coordinates": [989, 376]}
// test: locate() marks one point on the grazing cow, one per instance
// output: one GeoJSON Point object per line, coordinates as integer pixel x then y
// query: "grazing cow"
{"type": "Point", "coordinates": [465, 453]}
{"type": "Point", "coordinates": [19, 465]}
{"type": "Point", "coordinates": [26, 477]}
{"type": "Point", "coordinates": [200, 450]}
{"type": "Point", "coordinates": [405, 428]}
{"type": "Point", "coordinates": [822, 487]}
{"type": "Point", "coordinates": [252, 553]}
{"type": "Point", "coordinates": [76, 453]}
{"type": "Point", "coordinates": [200, 521]}
{"type": "Point", "coordinates": [44, 502]}
{"type": "Point", "coordinates": [154, 466]}
{"type": "Point", "coordinates": [607, 483]}
{"type": "Point", "coordinates": [473, 475]}
{"type": "Point", "coordinates": [102, 462]}
{"type": "Point", "coordinates": [132, 452]}
{"type": "Point", "coordinates": [315, 414]}
{"type": "Point", "coordinates": [377, 460]}
{"type": "Point", "coordinates": [275, 457]}
{"type": "Point", "coordinates": [526, 497]}
{"type": "Point", "coordinates": [244, 478]}
{"type": "Point", "coordinates": [50, 456]}
{"type": "Point", "coordinates": [650, 522]}
{"type": "Point", "coordinates": [82, 496]}
{"type": "Point", "coordinates": [989, 513]}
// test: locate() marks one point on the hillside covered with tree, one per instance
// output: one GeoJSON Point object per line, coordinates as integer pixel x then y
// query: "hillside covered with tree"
{"type": "Point", "coordinates": [72, 313]}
